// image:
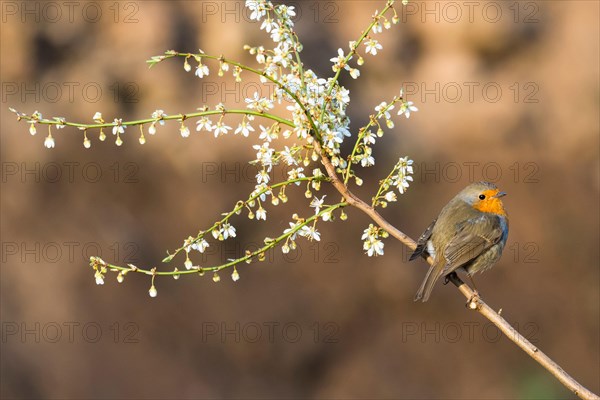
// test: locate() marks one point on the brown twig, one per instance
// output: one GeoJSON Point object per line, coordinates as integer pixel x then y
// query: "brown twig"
{"type": "Point", "coordinates": [474, 301]}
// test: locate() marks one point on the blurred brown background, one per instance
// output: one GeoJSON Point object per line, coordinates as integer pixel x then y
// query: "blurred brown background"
{"type": "Point", "coordinates": [507, 91]}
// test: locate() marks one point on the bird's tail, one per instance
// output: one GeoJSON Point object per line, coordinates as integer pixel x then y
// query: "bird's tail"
{"type": "Point", "coordinates": [427, 285]}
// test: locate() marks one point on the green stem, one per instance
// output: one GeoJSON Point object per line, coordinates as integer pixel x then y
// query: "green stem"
{"type": "Point", "coordinates": [177, 117]}
{"type": "Point", "coordinates": [96, 262]}
{"type": "Point", "coordinates": [239, 206]}
{"type": "Point", "coordinates": [254, 71]}
{"type": "Point", "coordinates": [294, 48]}
{"type": "Point", "coordinates": [381, 185]}
{"type": "Point", "coordinates": [362, 37]}
{"type": "Point", "coordinates": [361, 133]}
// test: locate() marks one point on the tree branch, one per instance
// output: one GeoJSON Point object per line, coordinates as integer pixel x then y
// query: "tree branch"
{"type": "Point", "coordinates": [474, 301]}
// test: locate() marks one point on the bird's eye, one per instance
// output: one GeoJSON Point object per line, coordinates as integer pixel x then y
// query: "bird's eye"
{"type": "Point", "coordinates": [482, 197]}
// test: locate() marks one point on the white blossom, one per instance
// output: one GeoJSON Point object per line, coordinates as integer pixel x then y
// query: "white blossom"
{"type": "Point", "coordinates": [264, 155]}
{"type": "Point", "coordinates": [257, 9]}
{"type": "Point", "coordinates": [235, 276]}
{"type": "Point", "coordinates": [293, 226]}
{"type": "Point", "coordinates": [228, 230]}
{"type": "Point", "coordinates": [371, 242]}
{"type": "Point", "coordinates": [367, 160]}
{"type": "Point", "coordinates": [402, 178]}
{"type": "Point", "coordinates": [221, 129]}
{"type": "Point", "coordinates": [384, 110]}
{"type": "Point", "coordinates": [244, 128]}
{"type": "Point", "coordinates": [296, 173]}
{"type": "Point", "coordinates": [200, 245]}
{"type": "Point", "coordinates": [268, 25]}
{"type": "Point", "coordinates": [310, 232]}
{"type": "Point", "coordinates": [373, 247]}
{"type": "Point", "coordinates": [317, 203]}
{"type": "Point", "coordinates": [262, 177]}
{"type": "Point", "coordinates": [204, 123]}
{"type": "Point", "coordinates": [339, 61]}
{"type": "Point", "coordinates": [260, 104]}
{"type": "Point", "coordinates": [287, 156]}
{"type": "Point", "coordinates": [201, 70]}
{"type": "Point", "coordinates": [261, 213]}
{"type": "Point", "coordinates": [118, 128]}
{"type": "Point", "coordinates": [185, 131]}
{"type": "Point", "coordinates": [99, 278]}
{"type": "Point", "coordinates": [372, 46]}
{"type": "Point", "coordinates": [267, 134]}
{"type": "Point", "coordinates": [49, 142]}
{"type": "Point", "coordinates": [406, 108]}
{"type": "Point", "coordinates": [159, 115]}
{"type": "Point", "coordinates": [369, 138]}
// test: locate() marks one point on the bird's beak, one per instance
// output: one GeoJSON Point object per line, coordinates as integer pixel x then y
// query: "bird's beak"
{"type": "Point", "coordinates": [500, 194]}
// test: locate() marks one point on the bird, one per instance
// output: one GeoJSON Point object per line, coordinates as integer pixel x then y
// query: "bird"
{"type": "Point", "coordinates": [469, 234]}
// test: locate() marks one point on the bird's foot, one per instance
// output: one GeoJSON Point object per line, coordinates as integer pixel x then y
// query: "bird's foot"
{"type": "Point", "coordinates": [449, 277]}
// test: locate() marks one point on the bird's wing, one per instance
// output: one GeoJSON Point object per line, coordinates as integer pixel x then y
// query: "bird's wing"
{"type": "Point", "coordinates": [472, 239]}
{"type": "Point", "coordinates": [422, 242]}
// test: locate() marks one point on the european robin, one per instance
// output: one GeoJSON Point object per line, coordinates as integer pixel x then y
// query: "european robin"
{"type": "Point", "coordinates": [469, 234]}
